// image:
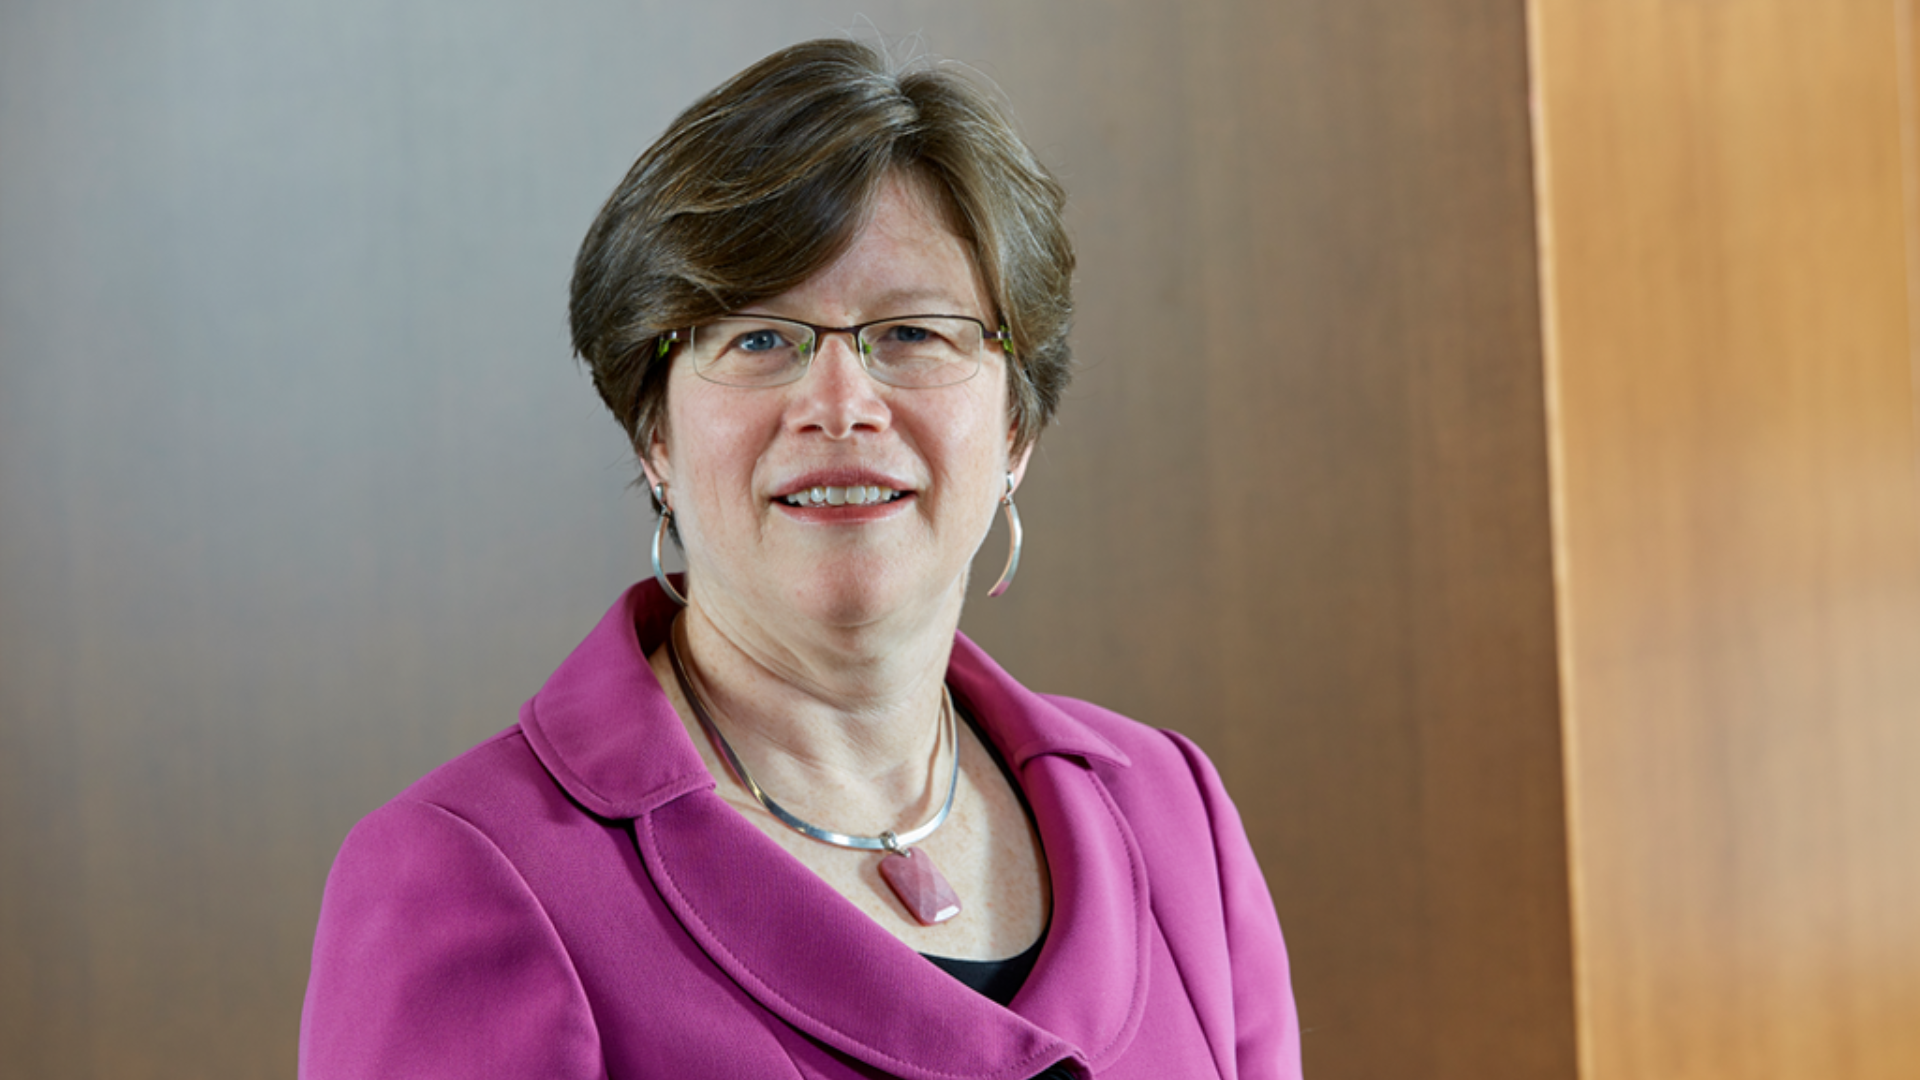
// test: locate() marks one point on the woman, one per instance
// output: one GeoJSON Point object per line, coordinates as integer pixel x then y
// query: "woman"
{"type": "Point", "coordinates": [778, 818]}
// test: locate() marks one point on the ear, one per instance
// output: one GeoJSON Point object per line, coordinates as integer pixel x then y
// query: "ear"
{"type": "Point", "coordinates": [1017, 465]}
{"type": "Point", "coordinates": [655, 464]}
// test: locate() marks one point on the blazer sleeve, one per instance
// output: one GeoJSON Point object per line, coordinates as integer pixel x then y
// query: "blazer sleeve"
{"type": "Point", "coordinates": [1266, 1026]}
{"type": "Point", "coordinates": [434, 959]}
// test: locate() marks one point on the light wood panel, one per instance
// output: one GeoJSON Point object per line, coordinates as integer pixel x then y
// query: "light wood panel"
{"type": "Point", "coordinates": [1725, 230]}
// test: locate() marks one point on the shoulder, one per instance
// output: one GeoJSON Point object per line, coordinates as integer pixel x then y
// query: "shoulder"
{"type": "Point", "coordinates": [491, 818]}
{"type": "Point", "coordinates": [1028, 723]}
{"type": "Point", "coordinates": [493, 780]}
{"type": "Point", "coordinates": [433, 917]}
{"type": "Point", "coordinates": [500, 768]}
{"type": "Point", "coordinates": [1151, 754]}
{"type": "Point", "coordinates": [1161, 782]}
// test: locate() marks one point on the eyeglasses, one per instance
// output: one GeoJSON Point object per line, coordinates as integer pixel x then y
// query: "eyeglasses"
{"type": "Point", "coordinates": [912, 351]}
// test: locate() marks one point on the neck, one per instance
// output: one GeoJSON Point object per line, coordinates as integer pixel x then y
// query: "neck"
{"type": "Point", "coordinates": [845, 719]}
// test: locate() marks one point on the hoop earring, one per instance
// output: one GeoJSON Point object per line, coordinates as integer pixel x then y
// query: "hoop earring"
{"type": "Point", "coordinates": [666, 521]}
{"type": "Point", "coordinates": [1013, 542]}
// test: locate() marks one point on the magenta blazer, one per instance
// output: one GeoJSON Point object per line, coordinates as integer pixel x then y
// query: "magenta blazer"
{"type": "Point", "coordinates": [571, 898]}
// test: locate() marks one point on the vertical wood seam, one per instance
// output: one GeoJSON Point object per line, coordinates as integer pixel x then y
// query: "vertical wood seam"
{"type": "Point", "coordinates": [1910, 189]}
{"type": "Point", "coordinates": [1543, 204]}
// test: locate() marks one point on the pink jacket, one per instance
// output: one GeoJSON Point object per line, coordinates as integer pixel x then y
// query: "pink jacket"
{"type": "Point", "coordinates": [571, 898]}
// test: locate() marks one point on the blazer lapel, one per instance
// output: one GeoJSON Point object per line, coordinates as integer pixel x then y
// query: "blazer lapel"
{"type": "Point", "coordinates": [1090, 984]}
{"type": "Point", "coordinates": [813, 959]}
{"type": "Point", "coordinates": [604, 730]}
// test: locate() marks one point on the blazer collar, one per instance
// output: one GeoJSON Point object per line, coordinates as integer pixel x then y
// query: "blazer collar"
{"type": "Point", "coordinates": [603, 727]}
{"type": "Point", "coordinates": [604, 730]}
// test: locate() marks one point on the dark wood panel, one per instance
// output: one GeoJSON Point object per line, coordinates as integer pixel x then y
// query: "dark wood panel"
{"type": "Point", "coordinates": [1306, 476]}
{"type": "Point", "coordinates": [300, 495]}
{"type": "Point", "coordinates": [1298, 506]}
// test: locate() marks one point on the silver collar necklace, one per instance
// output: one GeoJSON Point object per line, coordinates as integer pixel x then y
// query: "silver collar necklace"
{"type": "Point", "coordinates": [909, 872]}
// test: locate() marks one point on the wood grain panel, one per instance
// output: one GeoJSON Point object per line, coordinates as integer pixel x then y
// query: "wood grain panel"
{"type": "Point", "coordinates": [299, 494]}
{"type": "Point", "coordinates": [1298, 508]}
{"type": "Point", "coordinates": [1739, 527]}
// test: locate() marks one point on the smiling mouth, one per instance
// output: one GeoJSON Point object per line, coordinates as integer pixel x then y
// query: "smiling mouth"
{"type": "Point", "coordinates": [856, 495]}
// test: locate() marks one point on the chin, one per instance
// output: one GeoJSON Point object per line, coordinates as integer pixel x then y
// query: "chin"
{"type": "Point", "coordinates": [851, 599]}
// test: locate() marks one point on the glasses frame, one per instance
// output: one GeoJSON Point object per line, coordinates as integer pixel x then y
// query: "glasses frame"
{"type": "Point", "coordinates": [685, 335]}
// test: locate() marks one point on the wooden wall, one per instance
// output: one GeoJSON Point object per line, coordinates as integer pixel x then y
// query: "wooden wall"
{"type": "Point", "coordinates": [1727, 198]}
{"type": "Point", "coordinates": [300, 493]}
{"type": "Point", "coordinates": [1297, 506]}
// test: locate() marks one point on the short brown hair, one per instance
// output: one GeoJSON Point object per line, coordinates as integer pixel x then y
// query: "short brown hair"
{"type": "Point", "coordinates": [766, 180]}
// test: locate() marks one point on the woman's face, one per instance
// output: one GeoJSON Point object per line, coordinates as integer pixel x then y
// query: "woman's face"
{"type": "Point", "coordinates": [732, 456]}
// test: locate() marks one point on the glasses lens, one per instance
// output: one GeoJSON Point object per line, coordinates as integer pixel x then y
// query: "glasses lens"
{"type": "Point", "coordinates": [750, 351]}
{"type": "Point", "coordinates": [923, 350]}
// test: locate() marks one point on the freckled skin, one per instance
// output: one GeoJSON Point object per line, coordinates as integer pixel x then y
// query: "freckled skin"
{"type": "Point", "coordinates": [730, 449]}
{"type": "Point", "coordinates": [820, 635]}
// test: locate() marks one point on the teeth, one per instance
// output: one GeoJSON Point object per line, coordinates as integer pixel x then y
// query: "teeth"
{"type": "Point", "coordinates": [856, 495]}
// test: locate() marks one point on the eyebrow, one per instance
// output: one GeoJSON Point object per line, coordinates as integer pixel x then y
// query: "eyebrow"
{"type": "Point", "coordinates": [918, 296]}
{"type": "Point", "coordinates": [897, 302]}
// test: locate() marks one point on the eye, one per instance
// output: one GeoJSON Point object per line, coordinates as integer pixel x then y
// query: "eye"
{"type": "Point", "coordinates": [761, 340]}
{"type": "Point", "coordinates": [923, 350]}
{"type": "Point", "coordinates": [916, 336]}
{"type": "Point", "coordinates": [908, 335]}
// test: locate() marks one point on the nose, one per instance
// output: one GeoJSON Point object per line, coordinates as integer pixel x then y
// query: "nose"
{"type": "Point", "coordinates": [836, 396]}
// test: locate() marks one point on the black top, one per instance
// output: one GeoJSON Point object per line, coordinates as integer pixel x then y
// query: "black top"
{"type": "Point", "coordinates": [999, 980]}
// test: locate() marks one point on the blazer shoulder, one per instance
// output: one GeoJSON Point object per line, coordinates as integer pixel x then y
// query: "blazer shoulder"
{"type": "Point", "coordinates": [485, 776]}
{"type": "Point", "coordinates": [1157, 751]}
{"type": "Point", "coordinates": [498, 792]}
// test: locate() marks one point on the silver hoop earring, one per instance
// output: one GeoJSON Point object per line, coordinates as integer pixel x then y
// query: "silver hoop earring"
{"type": "Point", "coordinates": [1013, 542]}
{"type": "Point", "coordinates": [659, 533]}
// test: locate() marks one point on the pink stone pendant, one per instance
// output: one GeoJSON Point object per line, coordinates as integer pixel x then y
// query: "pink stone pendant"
{"type": "Point", "coordinates": [918, 883]}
